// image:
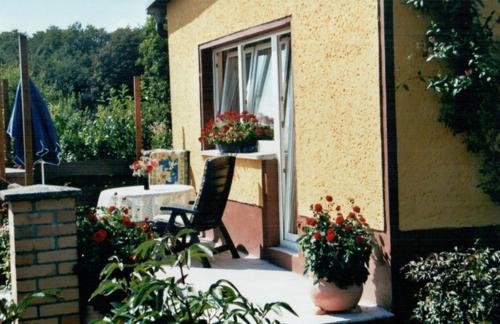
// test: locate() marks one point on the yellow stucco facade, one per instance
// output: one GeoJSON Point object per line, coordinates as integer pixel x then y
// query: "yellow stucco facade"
{"type": "Point", "coordinates": [437, 175]}
{"type": "Point", "coordinates": [335, 60]}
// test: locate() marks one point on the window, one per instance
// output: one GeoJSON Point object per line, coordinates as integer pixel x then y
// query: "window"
{"type": "Point", "coordinates": [250, 75]}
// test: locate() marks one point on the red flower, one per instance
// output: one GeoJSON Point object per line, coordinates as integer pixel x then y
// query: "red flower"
{"type": "Point", "coordinates": [318, 208]}
{"type": "Point", "coordinates": [150, 236]}
{"type": "Point", "coordinates": [311, 221]}
{"type": "Point", "coordinates": [361, 219]}
{"type": "Point", "coordinates": [149, 168]}
{"type": "Point", "coordinates": [348, 228]}
{"type": "Point", "coordinates": [330, 235]}
{"type": "Point", "coordinates": [125, 211]}
{"type": "Point", "coordinates": [329, 198]}
{"type": "Point", "coordinates": [356, 209]}
{"type": "Point", "coordinates": [359, 239]}
{"type": "Point", "coordinates": [339, 220]}
{"type": "Point", "coordinates": [111, 208]}
{"type": "Point", "coordinates": [145, 226]}
{"type": "Point", "coordinates": [92, 217]}
{"type": "Point", "coordinates": [351, 215]}
{"type": "Point", "coordinates": [99, 236]}
{"type": "Point", "coordinates": [133, 258]}
{"type": "Point", "coordinates": [338, 208]}
{"type": "Point", "coordinates": [317, 235]}
{"type": "Point", "coordinates": [126, 221]}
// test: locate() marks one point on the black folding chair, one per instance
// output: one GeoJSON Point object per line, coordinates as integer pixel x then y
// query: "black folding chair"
{"type": "Point", "coordinates": [208, 208]}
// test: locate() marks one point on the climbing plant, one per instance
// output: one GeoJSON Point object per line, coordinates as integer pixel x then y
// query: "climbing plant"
{"type": "Point", "coordinates": [460, 37]}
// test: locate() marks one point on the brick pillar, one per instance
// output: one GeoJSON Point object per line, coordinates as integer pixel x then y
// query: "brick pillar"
{"type": "Point", "coordinates": [43, 245]}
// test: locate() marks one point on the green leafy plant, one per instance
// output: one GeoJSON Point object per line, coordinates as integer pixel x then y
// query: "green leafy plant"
{"type": "Point", "coordinates": [457, 286]}
{"type": "Point", "coordinates": [461, 39]}
{"type": "Point", "coordinates": [4, 248]}
{"type": "Point", "coordinates": [336, 246]}
{"type": "Point", "coordinates": [10, 312]}
{"type": "Point", "coordinates": [111, 234]}
{"type": "Point", "coordinates": [150, 299]}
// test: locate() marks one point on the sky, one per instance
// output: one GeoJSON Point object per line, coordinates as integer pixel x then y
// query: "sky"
{"type": "Point", "coordinates": [29, 16]}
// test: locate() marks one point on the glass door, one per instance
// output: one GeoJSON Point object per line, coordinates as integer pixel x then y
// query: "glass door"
{"type": "Point", "coordinates": [287, 144]}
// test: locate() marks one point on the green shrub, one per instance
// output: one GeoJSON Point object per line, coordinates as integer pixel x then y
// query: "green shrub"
{"type": "Point", "coordinates": [4, 249]}
{"type": "Point", "coordinates": [150, 299]}
{"type": "Point", "coordinates": [458, 287]}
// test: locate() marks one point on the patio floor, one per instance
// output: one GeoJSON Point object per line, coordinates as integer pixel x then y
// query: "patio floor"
{"type": "Point", "coordinates": [261, 282]}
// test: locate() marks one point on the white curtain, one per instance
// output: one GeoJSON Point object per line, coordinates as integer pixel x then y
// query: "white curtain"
{"type": "Point", "coordinates": [230, 91]}
{"type": "Point", "coordinates": [259, 89]}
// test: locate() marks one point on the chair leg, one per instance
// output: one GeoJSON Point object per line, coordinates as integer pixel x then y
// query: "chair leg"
{"type": "Point", "coordinates": [229, 241]}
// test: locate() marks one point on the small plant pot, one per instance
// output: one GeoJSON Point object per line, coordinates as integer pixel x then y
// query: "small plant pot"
{"type": "Point", "coordinates": [329, 298]}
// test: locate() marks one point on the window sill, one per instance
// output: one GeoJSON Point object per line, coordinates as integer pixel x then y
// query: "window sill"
{"type": "Point", "coordinates": [259, 156]}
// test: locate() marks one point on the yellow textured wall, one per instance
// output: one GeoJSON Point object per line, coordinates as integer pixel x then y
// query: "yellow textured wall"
{"type": "Point", "coordinates": [336, 93]}
{"type": "Point", "coordinates": [437, 176]}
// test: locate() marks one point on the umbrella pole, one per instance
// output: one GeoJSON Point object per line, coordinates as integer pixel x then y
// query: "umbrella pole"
{"type": "Point", "coordinates": [27, 127]}
{"type": "Point", "coordinates": [43, 172]}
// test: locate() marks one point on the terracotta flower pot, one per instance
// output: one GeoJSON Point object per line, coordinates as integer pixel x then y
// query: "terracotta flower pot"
{"type": "Point", "coordinates": [329, 298]}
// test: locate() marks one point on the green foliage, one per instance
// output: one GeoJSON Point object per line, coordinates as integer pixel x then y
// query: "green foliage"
{"type": "Point", "coordinates": [461, 38]}
{"type": "Point", "coordinates": [336, 249]}
{"type": "Point", "coordinates": [150, 299]}
{"type": "Point", "coordinates": [458, 287]}
{"type": "Point", "coordinates": [115, 63]}
{"type": "Point", "coordinates": [99, 238]}
{"type": "Point", "coordinates": [4, 248]}
{"type": "Point", "coordinates": [11, 312]}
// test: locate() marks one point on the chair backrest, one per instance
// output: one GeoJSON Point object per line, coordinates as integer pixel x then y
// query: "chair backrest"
{"type": "Point", "coordinates": [173, 167]}
{"type": "Point", "coordinates": [214, 192]}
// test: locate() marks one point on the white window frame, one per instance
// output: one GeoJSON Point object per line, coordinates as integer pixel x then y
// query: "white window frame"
{"type": "Point", "coordinates": [274, 44]}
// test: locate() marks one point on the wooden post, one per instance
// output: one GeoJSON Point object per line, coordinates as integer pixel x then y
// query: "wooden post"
{"type": "Point", "coordinates": [138, 119]}
{"type": "Point", "coordinates": [6, 114]}
{"type": "Point", "coordinates": [3, 114]}
{"type": "Point", "coordinates": [27, 128]}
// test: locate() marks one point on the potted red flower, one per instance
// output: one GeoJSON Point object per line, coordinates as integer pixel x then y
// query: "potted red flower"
{"type": "Point", "coordinates": [235, 133]}
{"type": "Point", "coordinates": [337, 244]}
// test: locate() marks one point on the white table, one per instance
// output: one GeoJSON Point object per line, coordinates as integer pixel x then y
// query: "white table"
{"type": "Point", "coordinates": [144, 204]}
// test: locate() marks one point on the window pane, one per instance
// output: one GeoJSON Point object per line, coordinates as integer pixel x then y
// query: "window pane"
{"type": "Point", "coordinates": [259, 89]}
{"type": "Point", "coordinates": [230, 89]}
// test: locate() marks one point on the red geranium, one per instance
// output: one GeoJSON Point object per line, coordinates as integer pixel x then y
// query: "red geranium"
{"type": "Point", "coordinates": [92, 218]}
{"type": "Point", "coordinates": [317, 235]}
{"type": "Point", "coordinates": [318, 208]}
{"type": "Point", "coordinates": [330, 235]}
{"type": "Point", "coordinates": [125, 211]}
{"type": "Point", "coordinates": [111, 208]}
{"type": "Point", "coordinates": [329, 198]}
{"type": "Point", "coordinates": [361, 219]}
{"type": "Point", "coordinates": [339, 220]}
{"type": "Point", "coordinates": [99, 236]}
{"type": "Point", "coordinates": [356, 209]}
{"type": "Point", "coordinates": [348, 228]}
{"type": "Point", "coordinates": [359, 239]}
{"type": "Point", "coordinates": [311, 221]}
{"type": "Point", "coordinates": [338, 208]}
{"type": "Point", "coordinates": [145, 226]}
{"type": "Point", "coordinates": [126, 221]}
{"type": "Point", "coordinates": [351, 215]}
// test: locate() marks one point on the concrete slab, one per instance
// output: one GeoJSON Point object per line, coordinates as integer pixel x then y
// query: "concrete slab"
{"type": "Point", "coordinates": [261, 282]}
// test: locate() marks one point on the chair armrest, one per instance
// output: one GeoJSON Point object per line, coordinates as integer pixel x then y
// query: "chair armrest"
{"type": "Point", "coordinates": [178, 209]}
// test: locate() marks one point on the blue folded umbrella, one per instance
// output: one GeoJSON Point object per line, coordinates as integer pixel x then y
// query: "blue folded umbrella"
{"type": "Point", "coordinates": [45, 145]}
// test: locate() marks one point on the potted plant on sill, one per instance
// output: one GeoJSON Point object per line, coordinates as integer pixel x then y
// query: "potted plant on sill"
{"type": "Point", "coordinates": [235, 133]}
{"type": "Point", "coordinates": [337, 246]}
